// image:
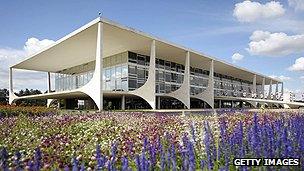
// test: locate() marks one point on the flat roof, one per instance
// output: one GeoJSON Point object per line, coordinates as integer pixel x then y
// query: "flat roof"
{"type": "Point", "coordinates": [79, 47]}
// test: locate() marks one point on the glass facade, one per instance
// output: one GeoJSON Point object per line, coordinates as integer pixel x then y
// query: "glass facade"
{"type": "Point", "coordinates": [128, 71]}
{"type": "Point", "coordinates": [65, 82]}
{"type": "Point", "coordinates": [115, 78]}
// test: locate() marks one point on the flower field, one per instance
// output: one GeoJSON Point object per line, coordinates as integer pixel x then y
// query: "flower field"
{"type": "Point", "coordinates": [151, 141]}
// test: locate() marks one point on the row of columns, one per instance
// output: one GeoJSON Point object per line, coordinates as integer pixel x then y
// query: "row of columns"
{"type": "Point", "coordinates": [147, 91]}
{"type": "Point", "coordinates": [254, 89]}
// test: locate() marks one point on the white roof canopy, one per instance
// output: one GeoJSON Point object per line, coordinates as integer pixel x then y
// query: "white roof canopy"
{"type": "Point", "coordinates": [79, 47]}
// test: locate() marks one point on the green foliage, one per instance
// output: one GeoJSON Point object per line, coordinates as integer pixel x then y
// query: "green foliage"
{"type": "Point", "coordinates": [10, 111]}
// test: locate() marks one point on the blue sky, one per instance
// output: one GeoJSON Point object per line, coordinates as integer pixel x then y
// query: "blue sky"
{"type": "Point", "coordinates": [215, 27]}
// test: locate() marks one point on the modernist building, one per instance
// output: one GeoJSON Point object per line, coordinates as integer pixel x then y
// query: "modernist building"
{"type": "Point", "coordinates": [112, 66]}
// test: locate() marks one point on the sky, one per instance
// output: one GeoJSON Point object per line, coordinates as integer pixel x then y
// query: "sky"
{"type": "Point", "coordinates": [262, 36]}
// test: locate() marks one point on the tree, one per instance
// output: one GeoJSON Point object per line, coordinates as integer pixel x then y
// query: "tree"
{"type": "Point", "coordinates": [30, 102]}
{"type": "Point", "coordinates": [4, 96]}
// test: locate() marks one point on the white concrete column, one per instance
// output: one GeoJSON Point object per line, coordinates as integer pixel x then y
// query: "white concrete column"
{"type": "Point", "coordinates": [11, 80]}
{"type": "Point", "coordinates": [49, 89]}
{"type": "Point", "coordinates": [12, 96]}
{"type": "Point", "coordinates": [208, 94]}
{"type": "Point", "coordinates": [282, 90]}
{"type": "Point", "coordinates": [254, 88]}
{"type": "Point", "coordinates": [270, 90]}
{"type": "Point", "coordinates": [11, 85]}
{"type": "Point", "coordinates": [211, 84]}
{"type": "Point", "coordinates": [187, 80]}
{"type": "Point", "coordinates": [123, 102]}
{"type": "Point", "coordinates": [277, 91]}
{"type": "Point", "coordinates": [99, 66]}
{"type": "Point", "coordinates": [147, 91]}
{"type": "Point", "coordinates": [263, 88]}
{"type": "Point", "coordinates": [94, 87]}
{"type": "Point", "coordinates": [49, 81]}
{"type": "Point", "coordinates": [183, 92]}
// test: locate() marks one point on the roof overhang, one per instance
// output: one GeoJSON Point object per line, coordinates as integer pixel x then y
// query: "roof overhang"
{"type": "Point", "coordinates": [79, 47]}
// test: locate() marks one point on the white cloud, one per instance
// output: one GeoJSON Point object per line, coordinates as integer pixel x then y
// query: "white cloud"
{"type": "Point", "coordinates": [298, 65]}
{"type": "Point", "coordinates": [298, 5]}
{"type": "Point", "coordinates": [22, 78]}
{"type": "Point", "coordinates": [236, 57]}
{"type": "Point", "coordinates": [302, 77]}
{"type": "Point", "coordinates": [248, 11]}
{"type": "Point", "coordinates": [33, 45]}
{"type": "Point", "coordinates": [275, 44]}
{"type": "Point", "coordinates": [281, 77]}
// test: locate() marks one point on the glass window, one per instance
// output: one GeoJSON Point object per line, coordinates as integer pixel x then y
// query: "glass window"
{"type": "Point", "coordinates": [56, 82]}
{"type": "Point", "coordinates": [141, 73]}
{"type": "Point", "coordinates": [205, 82]}
{"type": "Point", "coordinates": [141, 60]}
{"type": "Point", "coordinates": [132, 70]}
{"type": "Point", "coordinates": [90, 75]}
{"type": "Point", "coordinates": [167, 77]}
{"type": "Point", "coordinates": [167, 65]}
{"type": "Point", "coordinates": [173, 87]}
{"type": "Point", "coordinates": [146, 73]}
{"type": "Point", "coordinates": [124, 71]}
{"type": "Point", "coordinates": [183, 68]}
{"type": "Point", "coordinates": [107, 85]}
{"type": "Point", "coordinates": [147, 60]}
{"type": "Point", "coordinates": [192, 90]}
{"type": "Point", "coordinates": [156, 75]}
{"type": "Point", "coordinates": [112, 85]}
{"type": "Point", "coordinates": [124, 84]}
{"type": "Point", "coordinates": [173, 66]}
{"type": "Point", "coordinates": [157, 63]}
{"type": "Point", "coordinates": [80, 80]}
{"type": "Point", "coordinates": [132, 84]}
{"type": "Point", "coordinates": [85, 79]}
{"type": "Point", "coordinates": [180, 78]}
{"type": "Point", "coordinates": [192, 71]}
{"type": "Point", "coordinates": [132, 57]}
{"type": "Point", "coordinates": [178, 68]}
{"type": "Point", "coordinates": [157, 88]}
{"type": "Point", "coordinates": [173, 77]}
{"type": "Point", "coordinates": [161, 87]}
{"type": "Point", "coordinates": [161, 63]}
{"type": "Point", "coordinates": [112, 73]}
{"type": "Point", "coordinates": [192, 81]}
{"type": "Point", "coordinates": [118, 84]}
{"type": "Point", "coordinates": [108, 74]}
{"type": "Point", "coordinates": [118, 71]}
{"type": "Point", "coordinates": [168, 88]}
{"type": "Point", "coordinates": [161, 75]}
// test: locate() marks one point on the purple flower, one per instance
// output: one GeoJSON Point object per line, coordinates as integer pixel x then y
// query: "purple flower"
{"type": "Point", "coordinates": [173, 157]}
{"type": "Point", "coordinates": [137, 162]}
{"type": "Point", "coordinates": [202, 164]}
{"type": "Point", "coordinates": [162, 158]}
{"type": "Point", "coordinates": [82, 167]}
{"type": "Point", "coordinates": [75, 163]}
{"type": "Point", "coordinates": [99, 158]}
{"type": "Point", "coordinates": [125, 164]}
{"type": "Point", "coordinates": [37, 159]}
{"type": "Point", "coordinates": [17, 161]}
{"type": "Point", "coordinates": [4, 160]}
{"type": "Point", "coordinates": [191, 154]}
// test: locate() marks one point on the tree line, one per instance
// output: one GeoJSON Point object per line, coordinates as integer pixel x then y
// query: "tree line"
{"type": "Point", "coordinates": [4, 97]}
